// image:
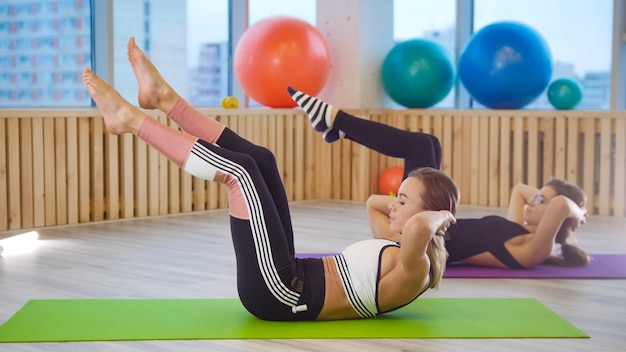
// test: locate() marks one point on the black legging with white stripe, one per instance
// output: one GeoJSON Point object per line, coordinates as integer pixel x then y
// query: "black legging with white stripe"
{"type": "Point", "coordinates": [272, 283]}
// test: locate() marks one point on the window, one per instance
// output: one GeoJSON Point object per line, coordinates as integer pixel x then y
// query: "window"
{"type": "Point", "coordinates": [190, 43]}
{"type": "Point", "coordinates": [29, 41]}
{"type": "Point", "coordinates": [303, 9]}
{"type": "Point", "coordinates": [184, 42]}
{"type": "Point", "coordinates": [578, 33]}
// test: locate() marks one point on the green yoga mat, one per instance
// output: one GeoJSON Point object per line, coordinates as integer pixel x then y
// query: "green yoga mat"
{"type": "Point", "coordinates": [181, 319]}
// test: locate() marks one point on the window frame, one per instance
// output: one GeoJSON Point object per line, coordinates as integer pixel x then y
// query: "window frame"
{"type": "Point", "coordinates": [103, 46]}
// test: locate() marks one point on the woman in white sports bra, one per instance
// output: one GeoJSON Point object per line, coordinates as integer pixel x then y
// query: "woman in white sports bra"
{"type": "Point", "coordinates": [379, 275]}
{"type": "Point", "coordinates": [369, 278]}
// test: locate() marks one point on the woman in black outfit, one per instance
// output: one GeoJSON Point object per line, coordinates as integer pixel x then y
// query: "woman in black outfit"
{"type": "Point", "coordinates": [537, 219]}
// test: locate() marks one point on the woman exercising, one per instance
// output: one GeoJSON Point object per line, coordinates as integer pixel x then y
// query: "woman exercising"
{"type": "Point", "coordinates": [368, 278]}
{"type": "Point", "coordinates": [536, 219]}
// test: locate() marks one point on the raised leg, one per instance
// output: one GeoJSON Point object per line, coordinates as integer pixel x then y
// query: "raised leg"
{"type": "Point", "coordinates": [417, 149]}
{"type": "Point", "coordinates": [156, 93]}
{"type": "Point", "coordinates": [266, 269]}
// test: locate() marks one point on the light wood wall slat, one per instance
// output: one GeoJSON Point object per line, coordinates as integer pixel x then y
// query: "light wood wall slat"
{"type": "Point", "coordinates": [93, 176]}
{"type": "Point", "coordinates": [127, 175]}
{"type": "Point", "coordinates": [466, 155]}
{"type": "Point", "coordinates": [26, 173]}
{"type": "Point", "coordinates": [289, 171]}
{"type": "Point", "coordinates": [72, 181]}
{"type": "Point", "coordinates": [519, 152]}
{"type": "Point", "coordinates": [84, 170]}
{"type": "Point", "coordinates": [483, 165]}
{"type": "Point", "coordinates": [39, 208]}
{"type": "Point", "coordinates": [140, 178]}
{"type": "Point", "coordinates": [505, 160]}
{"type": "Point", "coordinates": [619, 179]}
{"type": "Point", "coordinates": [154, 180]}
{"type": "Point", "coordinates": [4, 156]}
{"type": "Point", "coordinates": [50, 190]}
{"type": "Point", "coordinates": [548, 157]}
{"type": "Point", "coordinates": [298, 160]}
{"type": "Point", "coordinates": [13, 175]}
{"type": "Point", "coordinates": [574, 149]}
{"type": "Point", "coordinates": [112, 189]}
{"type": "Point", "coordinates": [98, 169]}
{"type": "Point", "coordinates": [560, 146]}
{"type": "Point", "coordinates": [604, 177]}
{"type": "Point", "coordinates": [61, 170]}
{"type": "Point", "coordinates": [494, 161]}
{"type": "Point", "coordinates": [447, 149]}
{"type": "Point", "coordinates": [589, 155]}
{"type": "Point", "coordinates": [473, 153]}
{"type": "Point", "coordinates": [456, 160]}
{"type": "Point", "coordinates": [532, 153]}
{"type": "Point", "coordinates": [310, 161]}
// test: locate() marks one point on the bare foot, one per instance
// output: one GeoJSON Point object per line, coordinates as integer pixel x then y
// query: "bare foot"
{"type": "Point", "coordinates": [154, 91]}
{"type": "Point", "coordinates": [119, 115]}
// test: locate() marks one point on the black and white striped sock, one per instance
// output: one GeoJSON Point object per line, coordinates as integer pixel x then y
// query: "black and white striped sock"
{"type": "Point", "coordinates": [318, 111]}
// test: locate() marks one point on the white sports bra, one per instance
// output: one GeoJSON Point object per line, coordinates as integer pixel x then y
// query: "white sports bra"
{"type": "Point", "coordinates": [359, 267]}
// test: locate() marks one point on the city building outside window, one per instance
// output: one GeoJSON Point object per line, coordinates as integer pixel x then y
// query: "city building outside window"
{"type": "Point", "coordinates": [44, 47]}
{"type": "Point", "coordinates": [187, 41]}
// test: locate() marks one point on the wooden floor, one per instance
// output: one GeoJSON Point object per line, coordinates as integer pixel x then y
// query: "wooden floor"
{"type": "Point", "coordinates": [191, 256]}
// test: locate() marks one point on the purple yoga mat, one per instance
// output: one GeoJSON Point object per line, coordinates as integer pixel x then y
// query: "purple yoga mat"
{"type": "Point", "coordinates": [602, 266]}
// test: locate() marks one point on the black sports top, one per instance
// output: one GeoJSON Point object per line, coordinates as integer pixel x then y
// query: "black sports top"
{"type": "Point", "coordinates": [469, 237]}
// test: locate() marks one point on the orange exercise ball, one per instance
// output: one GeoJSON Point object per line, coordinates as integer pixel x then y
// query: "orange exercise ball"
{"type": "Point", "coordinates": [278, 52]}
{"type": "Point", "coordinates": [390, 180]}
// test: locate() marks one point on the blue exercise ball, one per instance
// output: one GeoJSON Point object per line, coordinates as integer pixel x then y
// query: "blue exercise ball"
{"type": "Point", "coordinates": [564, 93]}
{"type": "Point", "coordinates": [417, 73]}
{"type": "Point", "coordinates": [505, 65]}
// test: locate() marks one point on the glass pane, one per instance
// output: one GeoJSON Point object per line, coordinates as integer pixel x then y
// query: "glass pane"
{"type": "Point", "coordinates": [426, 19]}
{"type": "Point", "coordinates": [578, 33]}
{"type": "Point", "coordinates": [44, 47]}
{"type": "Point", "coordinates": [187, 41]}
{"type": "Point", "coordinates": [302, 9]}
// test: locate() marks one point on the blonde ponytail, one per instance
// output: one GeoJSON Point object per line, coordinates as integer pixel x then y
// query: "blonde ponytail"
{"type": "Point", "coordinates": [436, 251]}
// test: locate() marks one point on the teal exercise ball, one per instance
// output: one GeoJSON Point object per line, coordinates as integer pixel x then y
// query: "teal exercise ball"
{"type": "Point", "coordinates": [505, 65]}
{"type": "Point", "coordinates": [564, 94]}
{"type": "Point", "coordinates": [417, 73]}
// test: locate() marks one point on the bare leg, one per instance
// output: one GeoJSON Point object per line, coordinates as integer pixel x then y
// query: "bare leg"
{"type": "Point", "coordinates": [119, 115]}
{"type": "Point", "coordinates": [154, 91]}
{"type": "Point", "coordinates": [122, 117]}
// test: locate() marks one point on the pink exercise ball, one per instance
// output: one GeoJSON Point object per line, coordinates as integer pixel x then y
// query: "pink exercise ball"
{"type": "Point", "coordinates": [278, 52]}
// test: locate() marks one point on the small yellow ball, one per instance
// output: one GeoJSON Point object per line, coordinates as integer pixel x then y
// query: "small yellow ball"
{"type": "Point", "coordinates": [230, 103]}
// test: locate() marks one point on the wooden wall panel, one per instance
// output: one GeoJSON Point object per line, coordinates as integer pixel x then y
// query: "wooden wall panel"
{"type": "Point", "coordinates": [93, 176]}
